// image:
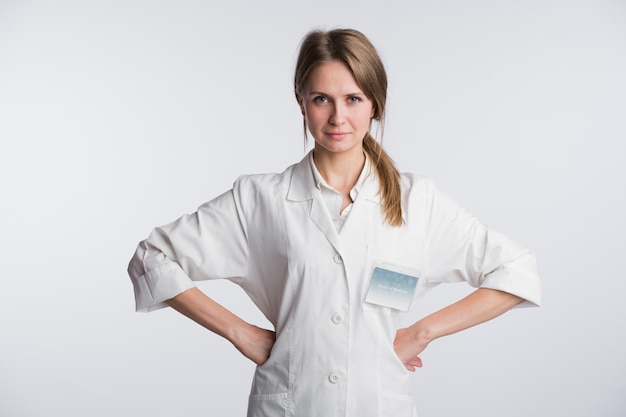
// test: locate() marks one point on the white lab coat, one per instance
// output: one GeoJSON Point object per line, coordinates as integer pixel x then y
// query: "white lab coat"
{"type": "Point", "coordinates": [273, 235]}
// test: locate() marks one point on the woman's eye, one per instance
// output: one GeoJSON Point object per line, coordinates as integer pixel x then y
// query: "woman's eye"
{"type": "Point", "coordinates": [320, 99]}
{"type": "Point", "coordinates": [354, 99]}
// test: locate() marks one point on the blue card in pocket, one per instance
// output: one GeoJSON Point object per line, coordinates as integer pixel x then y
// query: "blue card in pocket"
{"type": "Point", "coordinates": [391, 288]}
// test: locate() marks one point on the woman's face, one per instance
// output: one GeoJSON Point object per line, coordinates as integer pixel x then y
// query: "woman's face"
{"type": "Point", "coordinates": [336, 111]}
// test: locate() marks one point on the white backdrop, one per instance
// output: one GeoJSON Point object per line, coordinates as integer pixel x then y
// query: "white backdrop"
{"type": "Point", "coordinates": [118, 116]}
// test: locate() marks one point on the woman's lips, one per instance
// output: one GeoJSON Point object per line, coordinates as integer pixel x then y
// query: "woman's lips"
{"type": "Point", "coordinates": [337, 135]}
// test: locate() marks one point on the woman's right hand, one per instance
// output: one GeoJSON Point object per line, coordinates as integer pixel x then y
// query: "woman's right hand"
{"type": "Point", "coordinates": [255, 343]}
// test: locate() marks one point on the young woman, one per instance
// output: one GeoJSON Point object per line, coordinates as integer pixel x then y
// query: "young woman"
{"type": "Point", "coordinates": [333, 251]}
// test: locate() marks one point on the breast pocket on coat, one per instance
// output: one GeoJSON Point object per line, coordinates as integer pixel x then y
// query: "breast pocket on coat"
{"type": "Point", "coordinates": [392, 279]}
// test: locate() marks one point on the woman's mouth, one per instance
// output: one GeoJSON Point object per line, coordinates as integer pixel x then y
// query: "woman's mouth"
{"type": "Point", "coordinates": [337, 135]}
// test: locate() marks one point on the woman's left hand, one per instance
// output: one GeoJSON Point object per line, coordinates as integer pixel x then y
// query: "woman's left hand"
{"type": "Point", "coordinates": [408, 348]}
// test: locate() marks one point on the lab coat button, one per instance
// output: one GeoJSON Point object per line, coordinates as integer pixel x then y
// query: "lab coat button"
{"type": "Point", "coordinates": [333, 377]}
{"type": "Point", "coordinates": [337, 318]}
{"type": "Point", "coordinates": [337, 258]}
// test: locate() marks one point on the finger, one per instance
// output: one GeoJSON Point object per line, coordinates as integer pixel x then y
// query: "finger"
{"type": "Point", "coordinates": [414, 362]}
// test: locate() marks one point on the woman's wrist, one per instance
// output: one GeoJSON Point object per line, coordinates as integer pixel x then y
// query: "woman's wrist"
{"type": "Point", "coordinates": [423, 333]}
{"type": "Point", "coordinates": [238, 332]}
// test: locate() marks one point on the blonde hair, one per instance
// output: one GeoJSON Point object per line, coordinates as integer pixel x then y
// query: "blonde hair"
{"type": "Point", "coordinates": [353, 49]}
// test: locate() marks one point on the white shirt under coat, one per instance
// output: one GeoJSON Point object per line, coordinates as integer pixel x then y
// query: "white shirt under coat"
{"type": "Point", "coordinates": [273, 235]}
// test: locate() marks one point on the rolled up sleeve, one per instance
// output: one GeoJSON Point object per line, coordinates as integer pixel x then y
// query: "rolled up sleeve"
{"type": "Point", "coordinates": [208, 244]}
{"type": "Point", "coordinates": [460, 248]}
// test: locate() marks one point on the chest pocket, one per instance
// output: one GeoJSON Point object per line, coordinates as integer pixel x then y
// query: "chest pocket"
{"type": "Point", "coordinates": [393, 250]}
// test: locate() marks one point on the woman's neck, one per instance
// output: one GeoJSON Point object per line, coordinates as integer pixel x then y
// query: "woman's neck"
{"type": "Point", "coordinates": [340, 170]}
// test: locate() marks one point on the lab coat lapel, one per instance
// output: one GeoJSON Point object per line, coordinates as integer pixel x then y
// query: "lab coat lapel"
{"type": "Point", "coordinates": [365, 211]}
{"type": "Point", "coordinates": [303, 189]}
{"type": "Point", "coordinates": [320, 216]}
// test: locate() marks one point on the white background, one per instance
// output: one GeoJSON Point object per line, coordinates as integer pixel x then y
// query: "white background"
{"type": "Point", "coordinates": [118, 116]}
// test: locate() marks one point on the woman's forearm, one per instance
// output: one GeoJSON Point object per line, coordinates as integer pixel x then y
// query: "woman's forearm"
{"type": "Point", "coordinates": [253, 342]}
{"type": "Point", "coordinates": [480, 306]}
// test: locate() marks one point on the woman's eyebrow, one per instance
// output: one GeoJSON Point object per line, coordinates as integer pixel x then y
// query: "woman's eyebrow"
{"type": "Point", "coordinates": [321, 93]}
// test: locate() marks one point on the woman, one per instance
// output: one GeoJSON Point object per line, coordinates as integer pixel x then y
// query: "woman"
{"type": "Point", "coordinates": [333, 251]}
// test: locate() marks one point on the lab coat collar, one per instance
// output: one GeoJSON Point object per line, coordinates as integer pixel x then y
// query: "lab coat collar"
{"type": "Point", "coordinates": [303, 184]}
{"type": "Point", "coordinates": [303, 188]}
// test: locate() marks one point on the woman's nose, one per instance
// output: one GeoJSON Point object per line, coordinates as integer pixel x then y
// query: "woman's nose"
{"type": "Point", "coordinates": [337, 117]}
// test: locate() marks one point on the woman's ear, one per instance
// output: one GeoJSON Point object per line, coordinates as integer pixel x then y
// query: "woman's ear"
{"type": "Point", "coordinates": [300, 103]}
